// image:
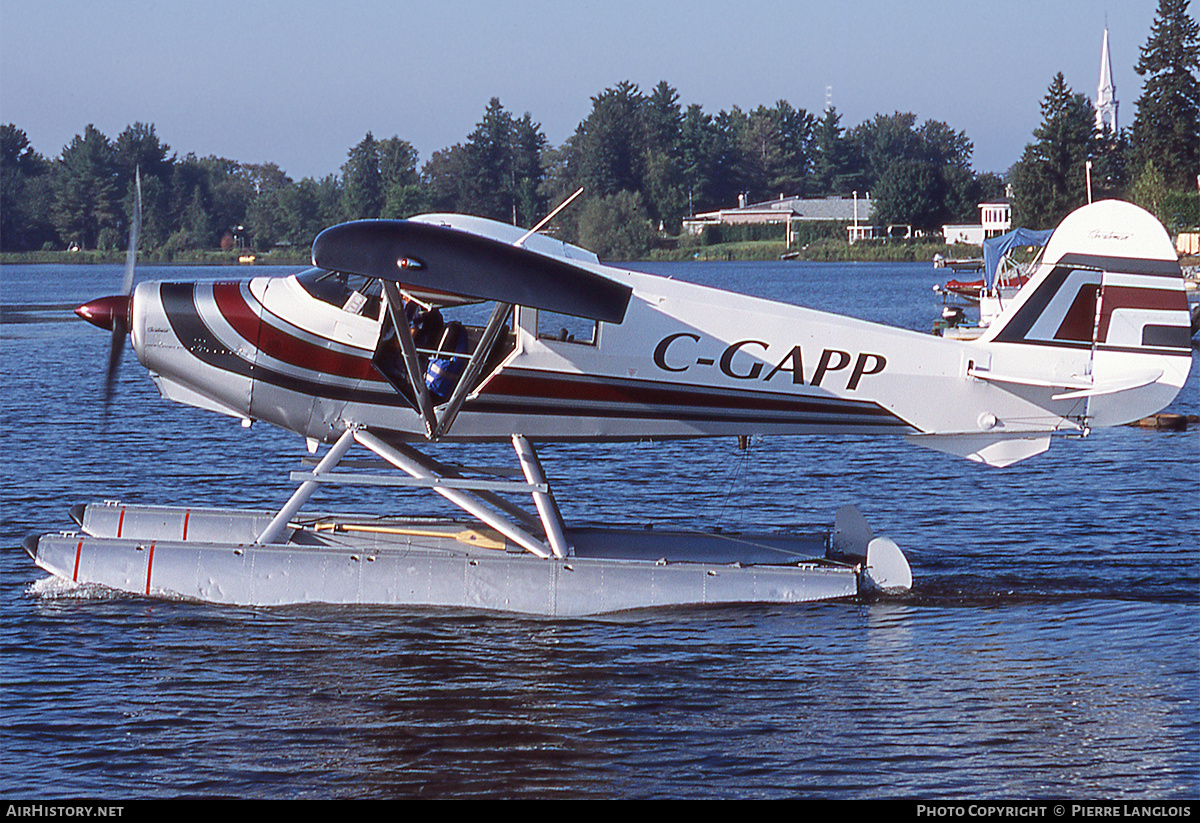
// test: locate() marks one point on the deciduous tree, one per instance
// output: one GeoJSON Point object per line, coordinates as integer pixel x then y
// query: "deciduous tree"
{"type": "Point", "coordinates": [25, 193]}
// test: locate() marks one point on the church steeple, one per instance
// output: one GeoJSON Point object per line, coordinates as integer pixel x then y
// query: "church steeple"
{"type": "Point", "coordinates": [1106, 95]}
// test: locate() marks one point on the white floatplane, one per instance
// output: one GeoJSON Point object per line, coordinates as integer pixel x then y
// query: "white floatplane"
{"type": "Point", "coordinates": [365, 349]}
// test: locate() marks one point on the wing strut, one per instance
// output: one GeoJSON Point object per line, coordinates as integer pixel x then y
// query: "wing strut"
{"type": "Point", "coordinates": [420, 470]}
{"type": "Point", "coordinates": [411, 364]}
{"type": "Point", "coordinates": [437, 425]}
{"type": "Point", "coordinates": [478, 358]}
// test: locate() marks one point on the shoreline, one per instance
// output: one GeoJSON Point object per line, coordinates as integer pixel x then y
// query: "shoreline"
{"type": "Point", "coordinates": [759, 250]}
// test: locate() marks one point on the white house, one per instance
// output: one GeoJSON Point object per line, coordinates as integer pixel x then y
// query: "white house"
{"type": "Point", "coordinates": [857, 211]}
{"type": "Point", "coordinates": [995, 218]}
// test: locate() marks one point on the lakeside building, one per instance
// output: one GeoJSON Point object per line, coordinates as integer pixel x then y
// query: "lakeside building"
{"type": "Point", "coordinates": [855, 211]}
{"type": "Point", "coordinates": [995, 218]}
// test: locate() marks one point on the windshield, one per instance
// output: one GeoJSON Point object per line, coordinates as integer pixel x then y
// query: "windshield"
{"type": "Point", "coordinates": [353, 293]}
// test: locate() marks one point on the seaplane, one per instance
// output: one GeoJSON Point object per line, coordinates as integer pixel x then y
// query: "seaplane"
{"type": "Point", "coordinates": [449, 328]}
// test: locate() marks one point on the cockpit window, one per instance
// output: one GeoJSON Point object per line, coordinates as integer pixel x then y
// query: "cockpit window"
{"type": "Point", "coordinates": [353, 293]}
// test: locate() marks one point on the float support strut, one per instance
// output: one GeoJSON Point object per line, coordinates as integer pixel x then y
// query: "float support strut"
{"type": "Point", "coordinates": [276, 527]}
{"type": "Point", "coordinates": [459, 498]}
{"type": "Point", "coordinates": [547, 508]}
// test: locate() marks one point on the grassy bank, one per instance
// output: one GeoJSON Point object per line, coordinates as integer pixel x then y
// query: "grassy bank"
{"type": "Point", "coordinates": [821, 250]}
{"type": "Point", "coordinates": [743, 250]}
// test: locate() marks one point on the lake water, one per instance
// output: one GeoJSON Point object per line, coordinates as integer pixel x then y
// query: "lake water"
{"type": "Point", "coordinates": [1047, 649]}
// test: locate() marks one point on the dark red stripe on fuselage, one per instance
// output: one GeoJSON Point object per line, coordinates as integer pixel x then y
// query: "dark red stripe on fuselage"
{"type": "Point", "coordinates": [284, 347]}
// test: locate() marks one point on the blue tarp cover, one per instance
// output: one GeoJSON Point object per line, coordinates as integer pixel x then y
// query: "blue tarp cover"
{"type": "Point", "coordinates": [996, 247]}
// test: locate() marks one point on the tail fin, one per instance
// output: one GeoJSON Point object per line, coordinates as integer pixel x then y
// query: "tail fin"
{"type": "Point", "coordinates": [1109, 286]}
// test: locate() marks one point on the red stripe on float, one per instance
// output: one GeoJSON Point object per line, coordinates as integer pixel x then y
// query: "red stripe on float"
{"type": "Point", "coordinates": [149, 566]}
{"type": "Point", "coordinates": [121, 522]}
{"type": "Point", "coordinates": [186, 516]}
{"type": "Point", "coordinates": [78, 552]}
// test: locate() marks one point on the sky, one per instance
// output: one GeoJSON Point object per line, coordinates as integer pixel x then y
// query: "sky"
{"type": "Point", "coordinates": [299, 83]}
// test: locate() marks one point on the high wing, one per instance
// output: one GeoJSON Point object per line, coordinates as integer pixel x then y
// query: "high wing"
{"type": "Point", "coordinates": [447, 259]}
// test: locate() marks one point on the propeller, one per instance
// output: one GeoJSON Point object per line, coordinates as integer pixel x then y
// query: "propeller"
{"type": "Point", "coordinates": [116, 313]}
{"type": "Point", "coordinates": [124, 321]}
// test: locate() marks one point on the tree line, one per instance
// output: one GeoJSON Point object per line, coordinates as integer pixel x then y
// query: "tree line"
{"type": "Point", "coordinates": [645, 162]}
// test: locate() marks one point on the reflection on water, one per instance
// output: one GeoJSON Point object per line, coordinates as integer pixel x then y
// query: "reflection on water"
{"type": "Point", "coordinates": [1047, 649]}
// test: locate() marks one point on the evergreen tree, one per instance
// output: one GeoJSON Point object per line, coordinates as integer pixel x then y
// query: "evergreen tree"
{"type": "Point", "coordinates": [662, 181]}
{"type": "Point", "coordinates": [1049, 181]}
{"type": "Point", "coordinates": [487, 185]}
{"type": "Point", "coordinates": [1167, 126]}
{"type": "Point", "coordinates": [663, 120]}
{"type": "Point", "coordinates": [442, 178]}
{"type": "Point", "coordinates": [362, 181]}
{"type": "Point", "coordinates": [730, 125]}
{"type": "Point", "coordinates": [138, 147]}
{"type": "Point", "coordinates": [529, 147]}
{"type": "Point", "coordinates": [401, 184]}
{"type": "Point", "coordinates": [836, 168]}
{"type": "Point", "coordinates": [138, 150]}
{"type": "Point", "coordinates": [609, 142]}
{"type": "Point", "coordinates": [85, 189]}
{"type": "Point", "coordinates": [699, 159]}
{"type": "Point", "coordinates": [497, 173]}
{"type": "Point", "coordinates": [189, 205]}
{"type": "Point", "coordinates": [1110, 153]}
{"type": "Point", "coordinates": [793, 132]}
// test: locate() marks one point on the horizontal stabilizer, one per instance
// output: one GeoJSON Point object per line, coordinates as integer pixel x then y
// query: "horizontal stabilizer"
{"type": "Point", "coordinates": [450, 260]}
{"type": "Point", "coordinates": [1078, 386]}
{"type": "Point", "coordinates": [992, 449]}
{"type": "Point", "coordinates": [1128, 383]}
{"type": "Point", "coordinates": [1021, 380]}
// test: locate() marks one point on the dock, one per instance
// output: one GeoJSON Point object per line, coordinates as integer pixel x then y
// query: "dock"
{"type": "Point", "coordinates": [958, 264]}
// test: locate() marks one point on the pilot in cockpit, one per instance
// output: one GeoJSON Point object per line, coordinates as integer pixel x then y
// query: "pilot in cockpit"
{"type": "Point", "coordinates": [424, 323]}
